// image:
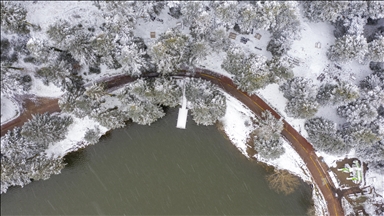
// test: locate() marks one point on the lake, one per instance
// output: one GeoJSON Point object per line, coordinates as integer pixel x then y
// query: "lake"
{"type": "Point", "coordinates": [157, 170]}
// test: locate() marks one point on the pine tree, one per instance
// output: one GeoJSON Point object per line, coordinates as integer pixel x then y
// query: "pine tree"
{"type": "Point", "coordinates": [96, 91]}
{"type": "Point", "coordinates": [281, 68]}
{"type": "Point", "coordinates": [336, 94]}
{"type": "Point", "coordinates": [298, 87]}
{"type": "Point", "coordinates": [12, 173]}
{"type": "Point", "coordinates": [15, 145]}
{"type": "Point", "coordinates": [360, 135]}
{"type": "Point", "coordinates": [190, 11]}
{"type": "Point", "coordinates": [207, 103]}
{"type": "Point", "coordinates": [218, 39]}
{"type": "Point", "coordinates": [269, 126]}
{"type": "Point", "coordinates": [226, 13]}
{"type": "Point", "coordinates": [13, 18]}
{"type": "Point", "coordinates": [247, 16]}
{"type": "Point", "coordinates": [198, 52]}
{"type": "Point", "coordinates": [40, 50]}
{"type": "Point", "coordinates": [376, 49]}
{"type": "Point", "coordinates": [347, 48]}
{"type": "Point", "coordinates": [269, 149]}
{"type": "Point", "coordinates": [372, 81]}
{"type": "Point", "coordinates": [10, 81]}
{"type": "Point", "coordinates": [92, 136]}
{"type": "Point", "coordinates": [170, 51]}
{"type": "Point", "coordinates": [132, 60]}
{"type": "Point", "coordinates": [46, 128]}
{"type": "Point", "coordinates": [266, 14]}
{"type": "Point", "coordinates": [323, 135]}
{"type": "Point", "coordinates": [267, 137]}
{"type": "Point", "coordinates": [328, 11]}
{"type": "Point", "coordinates": [166, 92]}
{"type": "Point", "coordinates": [358, 111]}
{"type": "Point", "coordinates": [55, 72]}
{"type": "Point", "coordinates": [139, 103]}
{"type": "Point", "coordinates": [112, 119]}
{"type": "Point", "coordinates": [375, 9]}
{"type": "Point", "coordinates": [23, 157]}
{"type": "Point", "coordinates": [355, 25]}
{"type": "Point", "coordinates": [43, 166]}
{"type": "Point", "coordinates": [203, 26]}
{"type": "Point", "coordinates": [299, 107]}
{"type": "Point", "coordinates": [144, 112]}
{"type": "Point", "coordinates": [251, 72]}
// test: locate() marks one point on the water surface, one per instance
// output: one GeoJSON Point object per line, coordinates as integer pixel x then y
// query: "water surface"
{"type": "Point", "coordinates": [157, 170]}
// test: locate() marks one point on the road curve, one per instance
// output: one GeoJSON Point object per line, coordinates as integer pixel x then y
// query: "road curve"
{"type": "Point", "coordinates": [253, 102]}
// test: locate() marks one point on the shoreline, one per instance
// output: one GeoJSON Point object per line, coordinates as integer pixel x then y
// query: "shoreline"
{"type": "Point", "coordinates": [227, 85]}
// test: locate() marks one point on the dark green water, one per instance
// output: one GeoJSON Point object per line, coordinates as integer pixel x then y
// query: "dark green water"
{"type": "Point", "coordinates": [157, 170]}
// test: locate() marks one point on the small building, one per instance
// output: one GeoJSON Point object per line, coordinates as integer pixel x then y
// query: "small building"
{"type": "Point", "coordinates": [153, 34]}
{"type": "Point", "coordinates": [258, 36]}
{"type": "Point", "coordinates": [232, 35]}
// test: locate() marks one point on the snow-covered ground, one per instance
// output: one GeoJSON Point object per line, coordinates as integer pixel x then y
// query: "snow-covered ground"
{"type": "Point", "coordinates": [9, 109]}
{"type": "Point", "coordinates": [75, 136]}
{"type": "Point", "coordinates": [237, 123]}
{"type": "Point", "coordinates": [39, 89]}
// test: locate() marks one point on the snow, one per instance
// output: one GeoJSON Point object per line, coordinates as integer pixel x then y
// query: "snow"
{"type": "Point", "coordinates": [237, 123]}
{"type": "Point", "coordinates": [213, 62]}
{"type": "Point", "coordinates": [39, 89]}
{"type": "Point", "coordinates": [9, 109]}
{"type": "Point", "coordinates": [45, 13]}
{"type": "Point", "coordinates": [75, 136]}
{"type": "Point", "coordinates": [290, 161]}
{"type": "Point", "coordinates": [234, 123]}
{"type": "Point", "coordinates": [376, 180]}
{"type": "Point", "coordinates": [143, 28]}
{"type": "Point", "coordinates": [348, 208]}
{"type": "Point", "coordinates": [236, 128]}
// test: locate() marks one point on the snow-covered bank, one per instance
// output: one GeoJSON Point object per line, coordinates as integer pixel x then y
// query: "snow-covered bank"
{"type": "Point", "coordinates": [75, 136]}
{"type": "Point", "coordinates": [237, 124]}
{"type": "Point", "coordinates": [9, 109]}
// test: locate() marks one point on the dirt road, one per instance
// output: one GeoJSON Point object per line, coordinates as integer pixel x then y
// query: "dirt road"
{"type": "Point", "coordinates": [257, 105]}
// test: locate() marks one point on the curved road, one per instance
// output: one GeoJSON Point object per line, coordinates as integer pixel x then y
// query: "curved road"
{"type": "Point", "coordinates": [253, 102]}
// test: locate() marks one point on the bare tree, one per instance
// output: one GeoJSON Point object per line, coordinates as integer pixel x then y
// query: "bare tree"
{"type": "Point", "coordinates": [283, 181]}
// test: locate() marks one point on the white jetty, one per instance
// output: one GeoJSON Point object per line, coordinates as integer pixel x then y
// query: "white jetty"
{"type": "Point", "coordinates": [183, 112]}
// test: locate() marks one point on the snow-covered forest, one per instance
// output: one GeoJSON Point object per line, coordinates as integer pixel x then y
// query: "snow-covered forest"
{"type": "Point", "coordinates": [319, 63]}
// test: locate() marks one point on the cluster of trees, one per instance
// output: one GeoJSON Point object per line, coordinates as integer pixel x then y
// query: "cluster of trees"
{"type": "Point", "coordinates": [349, 18]}
{"type": "Point", "coordinates": [23, 155]}
{"type": "Point", "coordinates": [337, 93]}
{"type": "Point", "coordinates": [267, 137]}
{"type": "Point", "coordinates": [207, 103]}
{"type": "Point", "coordinates": [253, 71]}
{"type": "Point", "coordinates": [142, 102]}
{"type": "Point", "coordinates": [301, 95]}
{"type": "Point", "coordinates": [363, 109]}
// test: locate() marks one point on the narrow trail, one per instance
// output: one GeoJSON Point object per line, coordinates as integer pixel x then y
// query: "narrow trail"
{"type": "Point", "coordinates": [257, 105]}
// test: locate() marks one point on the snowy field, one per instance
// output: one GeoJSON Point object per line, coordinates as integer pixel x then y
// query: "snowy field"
{"type": "Point", "coordinates": [9, 109]}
